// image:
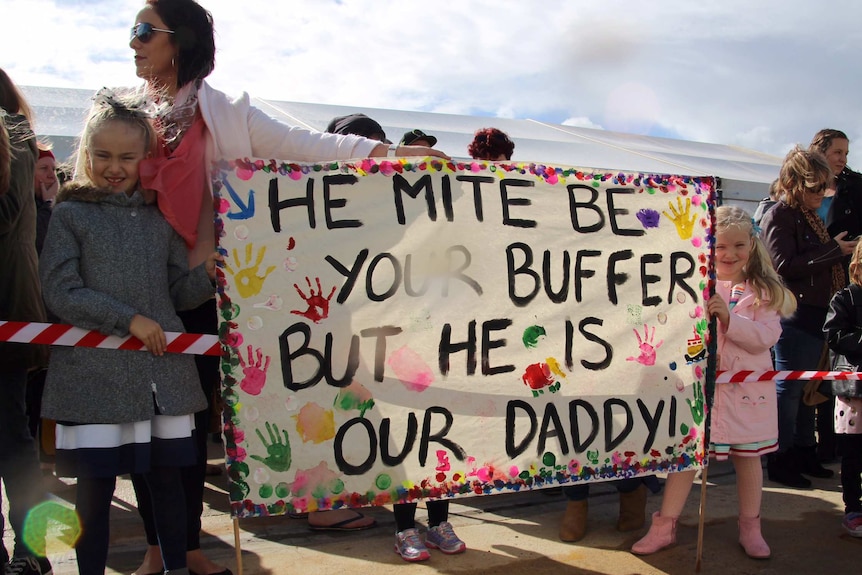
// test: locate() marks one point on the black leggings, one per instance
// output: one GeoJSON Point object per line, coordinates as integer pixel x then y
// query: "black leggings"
{"type": "Point", "coordinates": [405, 514]}
{"type": "Point", "coordinates": [93, 504]}
{"type": "Point", "coordinates": [850, 449]}
{"type": "Point", "coordinates": [202, 319]}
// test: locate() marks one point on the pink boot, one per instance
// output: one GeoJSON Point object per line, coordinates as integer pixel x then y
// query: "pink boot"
{"type": "Point", "coordinates": [751, 539]}
{"type": "Point", "coordinates": [661, 534]}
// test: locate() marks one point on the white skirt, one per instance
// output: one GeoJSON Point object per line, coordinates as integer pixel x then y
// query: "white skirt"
{"type": "Point", "coordinates": [111, 449]}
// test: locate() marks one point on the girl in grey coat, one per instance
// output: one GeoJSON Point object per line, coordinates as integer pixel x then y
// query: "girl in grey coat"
{"type": "Point", "coordinates": [112, 263]}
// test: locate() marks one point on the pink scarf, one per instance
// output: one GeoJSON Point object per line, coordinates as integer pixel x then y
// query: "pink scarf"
{"type": "Point", "coordinates": [179, 179]}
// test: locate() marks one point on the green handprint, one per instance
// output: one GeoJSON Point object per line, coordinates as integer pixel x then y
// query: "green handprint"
{"type": "Point", "coordinates": [680, 218]}
{"type": "Point", "coordinates": [697, 408]}
{"type": "Point", "coordinates": [277, 453]}
{"type": "Point", "coordinates": [593, 456]}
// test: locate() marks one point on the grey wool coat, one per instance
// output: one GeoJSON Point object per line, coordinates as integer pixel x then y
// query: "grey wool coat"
{"type": "Point", "coordinates": [106, 258]}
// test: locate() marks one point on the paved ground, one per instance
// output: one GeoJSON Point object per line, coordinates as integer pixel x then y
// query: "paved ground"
{"type": "Point", "coordinates": [515, 534]}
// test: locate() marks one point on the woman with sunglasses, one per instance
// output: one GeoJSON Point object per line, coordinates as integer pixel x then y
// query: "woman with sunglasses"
{"type": "Point", "coordinates": [174, 49]}
{"type": "Point", "coordinates": [809, 260]}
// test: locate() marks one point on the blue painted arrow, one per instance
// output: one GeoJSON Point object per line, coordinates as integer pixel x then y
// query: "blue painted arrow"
{"type": "Point", "coordinates": [246, 211]}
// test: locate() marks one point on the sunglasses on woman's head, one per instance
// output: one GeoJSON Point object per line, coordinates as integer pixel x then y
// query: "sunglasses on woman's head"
{"type": "Point", "coordinates": [817, 190]}
{"type": "Point", "coordinates": [144, 31]}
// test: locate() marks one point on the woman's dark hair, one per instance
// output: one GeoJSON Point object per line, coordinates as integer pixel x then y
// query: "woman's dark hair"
{"type": "Point", "coordinates": [11, 98]}
{"type": "Point", "coordinates": [489, 144]}
{"type": "Point", "coordinates": [193, 36]}
{"type": "Point", "coordinates": [12, 101]}
{"type": "Point", "coordinates": [5, 156]}
{"type": "Point", "coordinates": [823, 139]}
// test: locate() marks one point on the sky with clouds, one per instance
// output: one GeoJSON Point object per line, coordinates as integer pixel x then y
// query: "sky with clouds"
{"type": "Point", "coordinates": [762, 74]}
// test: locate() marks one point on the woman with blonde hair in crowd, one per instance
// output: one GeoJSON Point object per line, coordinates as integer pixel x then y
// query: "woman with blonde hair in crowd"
{"type": "Point", "coordinates": [809, 260]}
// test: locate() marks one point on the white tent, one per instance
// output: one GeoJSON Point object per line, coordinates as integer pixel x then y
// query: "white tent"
{"type": "Point", "coordinates": [744, 174]}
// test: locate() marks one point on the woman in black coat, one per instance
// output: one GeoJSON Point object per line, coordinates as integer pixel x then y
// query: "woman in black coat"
{"type": "Point", "coordinates": [842, 212]}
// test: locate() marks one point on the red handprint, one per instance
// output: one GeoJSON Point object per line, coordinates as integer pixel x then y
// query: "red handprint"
{"type": "Point", "coordinates": [648, 351]}
{"type": "Point", "coordinates": [318, 306]}
{"type": "Point", "coordinates": [254, 372]}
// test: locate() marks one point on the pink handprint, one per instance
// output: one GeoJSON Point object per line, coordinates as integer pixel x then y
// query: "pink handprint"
{"type": "Point", "coordinates": [648, 351]}
{"type": "Point", "coordinates": [442, 461]}
{"type": "Point", "coordinates": [254, 372]}
{"type": "Point", "coordinates": [318, 306]}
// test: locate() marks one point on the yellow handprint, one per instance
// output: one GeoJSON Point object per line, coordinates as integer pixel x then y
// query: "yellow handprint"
{"type": "Point", "coordinates": [249, 281]}
{"type": "Point", "coordinates": [682, 218]}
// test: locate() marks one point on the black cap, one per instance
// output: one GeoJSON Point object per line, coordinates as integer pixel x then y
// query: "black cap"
{"type": "Point", "coordinates": [413, 135]}
{"type": "Point", "coordinates": [358, 125]}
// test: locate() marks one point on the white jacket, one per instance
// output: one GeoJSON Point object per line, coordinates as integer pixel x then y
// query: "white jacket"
{"type": "Point", "coordinates": [239, 130]}
{"type": "Point", "coordinates": [236, 129]}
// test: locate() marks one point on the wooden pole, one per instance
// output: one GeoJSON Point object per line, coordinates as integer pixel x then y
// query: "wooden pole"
{"type": "Point", "coordinates": [700, 519]}
{"type": "Point", "coordinates": [237, 546]}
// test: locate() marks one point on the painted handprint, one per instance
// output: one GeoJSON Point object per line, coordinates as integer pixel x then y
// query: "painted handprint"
{"type": "Point", "coordinates": [645, 345]}
{"type": "Point", "coordinates": [254, 372]}
{"type": "Point", "coordinates": [277, 452]}
{"type": "Point", "coordinates": [318, 306]}
{"type": "Point", "coordinates": [273, 302]}
{"type": "Point", "coordinates": [698, 407]}
{"type": "Point", "coordinates": [682, 218]}
{"type": "Point", "coordinates": [249, 280]}
{"type": "Point", "coordinates": [442, 461]}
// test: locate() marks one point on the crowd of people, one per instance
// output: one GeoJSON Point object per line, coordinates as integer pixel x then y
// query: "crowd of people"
{"type": "Point", "coordinates": [788, 295]}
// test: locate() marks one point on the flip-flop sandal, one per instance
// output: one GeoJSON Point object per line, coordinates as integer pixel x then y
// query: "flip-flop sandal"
{"type": "Point", "coordinates": [345, 525]}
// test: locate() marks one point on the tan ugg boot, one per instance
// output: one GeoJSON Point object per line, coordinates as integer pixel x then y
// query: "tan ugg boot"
{"type": "Point", "coordinates": [573, 527]}
{"type": "Point", "coordinates": [632, 509]}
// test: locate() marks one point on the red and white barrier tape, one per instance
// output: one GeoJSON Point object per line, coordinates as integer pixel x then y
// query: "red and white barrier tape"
{"type": "Point", "coordinates": [749, 376]}
{"type": "Point", "coordinates": [205, 344]}
{"type": "Point", "coordinates": [62, 334]}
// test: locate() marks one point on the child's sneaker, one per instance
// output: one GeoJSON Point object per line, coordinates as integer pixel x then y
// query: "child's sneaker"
{"type": "Point", "coordinates": [852, 523]}
{"type": "Point", "coordinates": [443, 538]}
{"type": "Point", "coordinates": [410, 546]}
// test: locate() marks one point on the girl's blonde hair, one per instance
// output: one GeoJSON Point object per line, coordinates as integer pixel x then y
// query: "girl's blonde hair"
{"type": "Point", "coordinates": [110, 106]}
{"type": "Point", "coordinates": [856, 265]}
{"type": "Point", "coordinates": [759, 271]}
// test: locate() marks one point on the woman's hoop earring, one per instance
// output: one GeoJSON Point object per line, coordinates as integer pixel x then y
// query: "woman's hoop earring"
{"type": "Point", "coordinates": [173, 63]}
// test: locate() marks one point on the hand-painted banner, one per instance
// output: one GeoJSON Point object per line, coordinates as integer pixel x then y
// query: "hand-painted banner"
{"type": "Point", "coordinates": [407, 329]}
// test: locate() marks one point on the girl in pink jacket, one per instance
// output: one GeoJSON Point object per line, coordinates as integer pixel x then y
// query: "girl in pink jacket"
{"type": "Point", "coordinates": [748, 303]}
{"type": "Point", "coordinates": [843, 329]}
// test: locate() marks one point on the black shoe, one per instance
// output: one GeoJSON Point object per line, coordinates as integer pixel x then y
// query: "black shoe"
{"type": "Point", "coordinates": [781, 468]}
{"type": "Point", "coordinates": [29, 566]}
{"type": "Point", "coordinates": [808, 464]}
